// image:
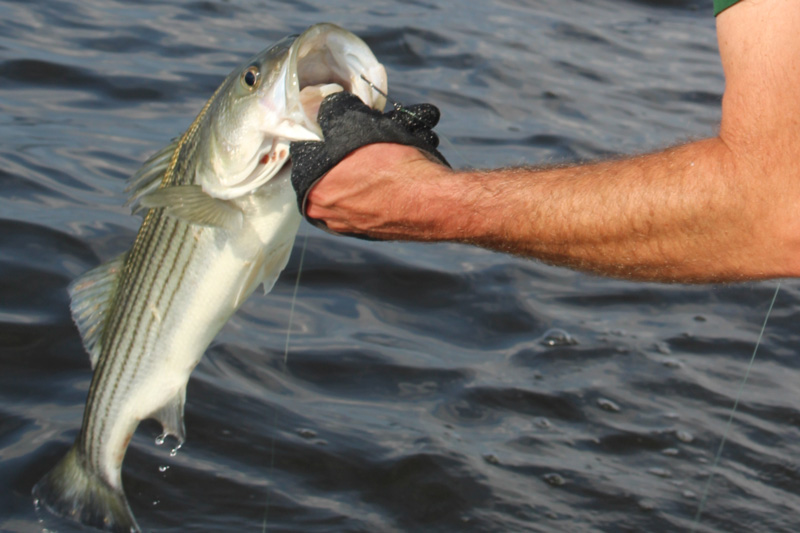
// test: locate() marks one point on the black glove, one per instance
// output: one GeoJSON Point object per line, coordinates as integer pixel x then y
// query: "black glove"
{"type": "Point", "coordinates": [347, 124]}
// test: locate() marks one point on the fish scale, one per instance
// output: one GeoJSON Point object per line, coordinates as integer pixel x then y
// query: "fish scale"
{"type": "Point", "coordinates": [128, 318]}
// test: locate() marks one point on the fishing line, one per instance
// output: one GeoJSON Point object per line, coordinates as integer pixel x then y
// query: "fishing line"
{"type": "Point", "coordinates": [285, 361]}
{"type": "Point", "coordinates": [400, 107]}
{"type": "Point", "coordinates": [395, 104]}
{"type": "Point", "coordinates": [294, 299]}
{"type": "Point", "coordinates": [287, 342]}
{"type": "Point", "coordinates": [714, 465]}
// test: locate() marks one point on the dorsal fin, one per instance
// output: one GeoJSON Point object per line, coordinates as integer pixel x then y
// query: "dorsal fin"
{"type": "Point", "coordinates": [152, 173]}
{"type": "Point", "coordinates": [92, 294]}
{"type": "Point", "coordinates": [149, 177]}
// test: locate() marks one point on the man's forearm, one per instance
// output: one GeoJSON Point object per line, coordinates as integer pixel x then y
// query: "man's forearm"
{"type": "Point", "coordinates": [721, 209]}
{"type": "Point", "coordinates": [691, 214]}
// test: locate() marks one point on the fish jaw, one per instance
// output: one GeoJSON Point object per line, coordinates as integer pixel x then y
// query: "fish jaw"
{"type": "Point", "coordinates": [327, 55]}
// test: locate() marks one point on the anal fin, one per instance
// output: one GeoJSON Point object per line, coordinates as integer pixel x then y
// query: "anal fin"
{"type": "Point", "coordinates": [170, 415]}
{"type": "Point", "coordinates": [265, 269]}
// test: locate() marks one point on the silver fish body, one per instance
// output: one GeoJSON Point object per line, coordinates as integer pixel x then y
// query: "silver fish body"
{"type": "Point", "coordinates": [220, 219]}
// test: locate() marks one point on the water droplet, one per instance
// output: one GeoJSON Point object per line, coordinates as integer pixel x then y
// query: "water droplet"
{"type": "Point", "coordinates": [670, 451]}
{"type": "Point", "coordinates": [660, 472]}
{"type": "Point", "coordinates": [608, 405]}
{"type": "Point", "coordinates": [699, 318]}
{"type": "Point", "coordinates": [543, 423]}
{"type": "Point", "coordinates": [554, 479]}
{"type": "Point", "coordinates": [662, 348]}
{"type": "Point", "coordinates": [684, 436]}
{"type": "Point", "coordinates": [174, 450]}
{"type": "Point", "coordinates": [163, 468]}
{"type": "Point", "coordinates": [689, 494]}
{"type": "Point", "coordinates": [647, 505]}
{"type": "Point", "coordinates": [156, 502]}
{"type": "Point", "coordinates": [557, 337]}
{"type": "Point", "coordinates": [491, 458]}
{"type": "Point", "coordinates": [307, 433]}
{"type": "Point", "coordinates": [160, 439]}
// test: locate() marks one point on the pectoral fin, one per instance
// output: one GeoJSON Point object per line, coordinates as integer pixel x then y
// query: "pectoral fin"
{"type": "Point", "coordinates": [190, 203]}
{"type": "Point", "coordinates": [171, 416]}
{"type": "Point", "coordinates": [92, 295]}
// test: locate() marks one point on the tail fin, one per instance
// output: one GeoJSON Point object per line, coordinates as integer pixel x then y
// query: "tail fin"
{"type": "Point", "coordinates": [72, 491]}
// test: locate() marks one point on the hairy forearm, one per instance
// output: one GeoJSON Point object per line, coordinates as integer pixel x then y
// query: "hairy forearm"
{"type": "Point", "coordinates": [720, 209]}
{"type": "Point", "coordinates": [692, 213]}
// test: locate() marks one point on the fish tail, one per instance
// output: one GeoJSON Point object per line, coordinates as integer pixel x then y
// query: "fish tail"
{"type": "Point", "coordinates": [73, 491]}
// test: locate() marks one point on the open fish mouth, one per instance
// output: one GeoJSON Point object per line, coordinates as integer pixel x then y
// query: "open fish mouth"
{"type": "Point", "coordinates": [323, 60]}
{"type": "Point", "coordinates": [326, 59]}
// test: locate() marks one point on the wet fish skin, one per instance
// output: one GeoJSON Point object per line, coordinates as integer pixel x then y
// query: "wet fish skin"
{"type": "Point", "coordinates": [220, 218]}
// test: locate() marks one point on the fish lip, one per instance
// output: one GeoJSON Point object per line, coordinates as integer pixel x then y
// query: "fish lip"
{"type": "Point", "coordinates": [353, 60]}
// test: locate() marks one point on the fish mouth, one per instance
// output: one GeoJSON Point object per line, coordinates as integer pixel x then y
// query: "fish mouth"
{"type": "Point", "coordinates": [326, 59]}
{"type": "Point", "coordinates": [323, 60]}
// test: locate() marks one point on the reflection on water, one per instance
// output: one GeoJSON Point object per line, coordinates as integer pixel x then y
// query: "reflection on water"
{"type": "Point", "coordinates": [427, 388]}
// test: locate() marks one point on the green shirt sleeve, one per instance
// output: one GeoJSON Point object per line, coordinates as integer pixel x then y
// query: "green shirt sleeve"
{"type": "Point", "coordinates": [722, 5]}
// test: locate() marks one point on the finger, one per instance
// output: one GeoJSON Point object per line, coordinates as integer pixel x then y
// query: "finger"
{"type": "Point", "coordinates": [416, 117]}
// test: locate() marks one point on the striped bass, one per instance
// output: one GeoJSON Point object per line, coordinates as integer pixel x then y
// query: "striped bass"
{"type": "Point", "coordinates": [220, 218]}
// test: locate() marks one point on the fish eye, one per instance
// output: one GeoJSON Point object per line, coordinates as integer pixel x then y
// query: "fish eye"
{"type": "Point", "coordinates": [250, 76]}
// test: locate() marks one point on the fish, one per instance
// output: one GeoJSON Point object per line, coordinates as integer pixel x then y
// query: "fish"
{"type": "Point", "coordinates": [220, 219]}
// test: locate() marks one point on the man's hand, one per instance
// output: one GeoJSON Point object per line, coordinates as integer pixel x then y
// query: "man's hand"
{"type": "Point", "coordinates": [376, 191]}
{"type": "Point", "coordinates": [348, 124]}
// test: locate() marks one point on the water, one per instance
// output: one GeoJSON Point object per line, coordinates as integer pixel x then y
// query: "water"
{"type": "Point", "coordinates": [428, 387]}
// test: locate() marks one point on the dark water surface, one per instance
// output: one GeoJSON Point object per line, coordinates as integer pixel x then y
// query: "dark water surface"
{"type": "Point", "coordinates": [427, 388]}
